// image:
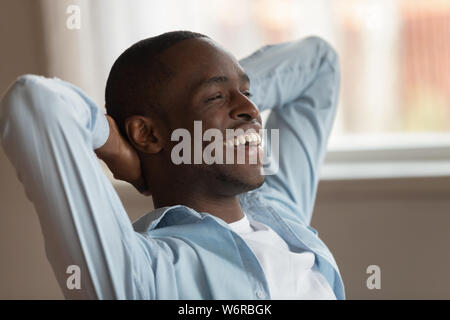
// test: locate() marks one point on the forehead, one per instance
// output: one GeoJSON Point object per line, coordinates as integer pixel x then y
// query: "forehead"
{"type": "Point", "coordinates": [195, 59]}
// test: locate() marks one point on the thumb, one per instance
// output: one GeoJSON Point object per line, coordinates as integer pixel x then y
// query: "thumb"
{"type": "Point", "coordinates": [141, 186]}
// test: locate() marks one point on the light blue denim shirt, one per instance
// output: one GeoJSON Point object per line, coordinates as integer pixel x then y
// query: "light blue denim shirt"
{"type": "Point", "coordinates": [49, 129]}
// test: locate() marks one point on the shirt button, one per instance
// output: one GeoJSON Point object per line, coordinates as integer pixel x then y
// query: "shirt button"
{"type": "Point", "coordinates": [260, 294]}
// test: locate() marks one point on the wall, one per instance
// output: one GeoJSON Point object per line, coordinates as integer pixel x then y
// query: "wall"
{"type": "Point", "coordinates": [24, 271]}
{"type": "Point", "coordinates": [401, 225]}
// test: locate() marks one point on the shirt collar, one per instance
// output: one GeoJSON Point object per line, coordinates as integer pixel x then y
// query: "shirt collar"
{"type": "Point", "coordinates": [172, 215]}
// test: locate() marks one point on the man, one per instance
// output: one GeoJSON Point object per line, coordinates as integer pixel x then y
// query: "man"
{"type": "Point", "coordinates": [220, 231]}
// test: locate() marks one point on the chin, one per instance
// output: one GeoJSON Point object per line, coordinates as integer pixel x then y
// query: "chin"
{"type": "Point", "coordinates": [235, 182]}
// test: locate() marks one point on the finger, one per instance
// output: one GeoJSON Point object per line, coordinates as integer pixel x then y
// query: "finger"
{"type": "Point", "coordinates": [141, 186]}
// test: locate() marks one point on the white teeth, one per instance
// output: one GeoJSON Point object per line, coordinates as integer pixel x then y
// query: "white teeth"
{"type": "Point", "coordinates": [251, 138]}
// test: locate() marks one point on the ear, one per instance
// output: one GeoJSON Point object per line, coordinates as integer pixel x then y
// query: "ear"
{"type": "Point", "coordinates": [145, 134]}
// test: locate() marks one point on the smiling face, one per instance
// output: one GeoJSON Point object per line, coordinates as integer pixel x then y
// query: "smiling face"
{"type": "Point", "coordinates": [210, 86]}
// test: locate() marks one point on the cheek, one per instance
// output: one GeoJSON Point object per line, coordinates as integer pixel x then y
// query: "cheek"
{"type": "Point", "coordinates": [214, 118]}
{"type": "Point", "coordinates": [211, 125]}
{"type": "Point", "coordinates": [208, 118]}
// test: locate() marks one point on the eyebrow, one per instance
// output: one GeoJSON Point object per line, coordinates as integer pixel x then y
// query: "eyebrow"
{"type": "Point", "coordinates": [221, 79]}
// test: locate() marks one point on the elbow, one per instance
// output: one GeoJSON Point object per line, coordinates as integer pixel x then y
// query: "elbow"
{"type": "Point", "coordinates": [322, 45]}
{"type": "Point", "coordinates": [325, 51]}
{"type": "Point", "coordinates": [12, 107]}
{"type": "Point", "coordinates": [30, 99]}
{"type": "Point", "coordinates": [16, 101]}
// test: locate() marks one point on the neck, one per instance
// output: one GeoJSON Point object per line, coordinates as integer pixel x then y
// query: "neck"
{"type": "Point", "coordinates": [185, 188]}
{"type": "Point", "coordinates": [226, 208]}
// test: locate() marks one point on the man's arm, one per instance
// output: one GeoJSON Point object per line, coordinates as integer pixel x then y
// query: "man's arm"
{"type": "Point", "coordinates": [121, 158]}
{"type": "Point", "coordinates": [300, 82]}
{"type": "Point", "coordinates": [49, 130]}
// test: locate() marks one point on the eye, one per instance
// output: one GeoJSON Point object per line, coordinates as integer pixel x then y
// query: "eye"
{"type": "Point", "coordinates": [247, 94]}
{"type": "Point", "coordinates": [217, 96]}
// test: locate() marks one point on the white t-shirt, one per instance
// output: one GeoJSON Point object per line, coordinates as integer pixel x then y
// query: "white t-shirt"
{"type": "Point", "coordinates": [289, 275]}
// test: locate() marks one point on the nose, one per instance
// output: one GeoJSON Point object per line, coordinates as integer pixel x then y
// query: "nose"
{"type": "Point", "coordinates": [244, 109]}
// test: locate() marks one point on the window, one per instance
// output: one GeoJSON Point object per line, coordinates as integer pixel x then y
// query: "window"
{"type": "Point", "coordinates": [395, 56]}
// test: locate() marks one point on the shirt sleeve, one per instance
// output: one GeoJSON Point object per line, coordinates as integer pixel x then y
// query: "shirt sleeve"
{"type": "Point", "coordinates": [299, 81]}
{"type": "Point", "coordinates": [49, 130]}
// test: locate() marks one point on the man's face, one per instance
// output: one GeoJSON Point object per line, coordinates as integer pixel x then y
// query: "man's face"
{"type": "Point", "coordinates": [210, 86]}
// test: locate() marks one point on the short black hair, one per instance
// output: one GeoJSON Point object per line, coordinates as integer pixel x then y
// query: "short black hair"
{"type": "Point", "coordinates": [133, 83]}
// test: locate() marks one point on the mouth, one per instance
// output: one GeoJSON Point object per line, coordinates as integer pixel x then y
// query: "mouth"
{"type": "Point", "coordinates": [247, 139]}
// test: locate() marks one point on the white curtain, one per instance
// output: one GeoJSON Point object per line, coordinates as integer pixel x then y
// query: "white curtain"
{"type": "Point", "coordinates": [84, 56]}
